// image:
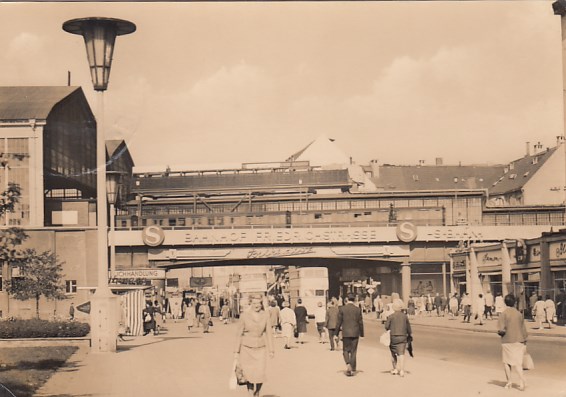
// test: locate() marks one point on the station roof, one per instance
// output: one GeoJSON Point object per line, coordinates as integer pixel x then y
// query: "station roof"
{"type": "Point", "coordinates": [32, 102]}
{"type": "Point", "coordinates": [436, 177]}
{"type": "Point", "coordinates": [239, 180]}
{"type": "Point", "coordinates": [520, 171]}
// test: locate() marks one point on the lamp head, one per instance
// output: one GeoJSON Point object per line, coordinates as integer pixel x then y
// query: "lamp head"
{"type": "Point", "coordinates": [99, 35]}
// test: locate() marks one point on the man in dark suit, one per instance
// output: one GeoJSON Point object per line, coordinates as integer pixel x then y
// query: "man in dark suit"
{"type": "Point", "coordinates": [351, 322]}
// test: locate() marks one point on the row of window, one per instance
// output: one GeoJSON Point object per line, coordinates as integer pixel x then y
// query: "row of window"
{"type": "Point", "coordinates": [70, 285]}
{"type": "Point", "coordinates": [331, 205]}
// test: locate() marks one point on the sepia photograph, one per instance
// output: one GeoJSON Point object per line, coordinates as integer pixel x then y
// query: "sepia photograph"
{"type": "Point", "coordinates": [283, 198]}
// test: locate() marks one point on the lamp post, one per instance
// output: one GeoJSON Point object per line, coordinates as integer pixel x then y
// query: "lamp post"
{"type": "Point", "coordinates": [99, 36]}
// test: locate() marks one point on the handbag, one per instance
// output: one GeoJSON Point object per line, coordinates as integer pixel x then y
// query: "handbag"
{"type": "Point", "coordinates": [147, 318]}
{"type": "Point", "coordinates": [239, 372]}
{"type": "Point", "coordinates": [385, 338]}
{"type": "Point", "coordinates": [210, 323]}
{"type": "Point", "coordinates": [296, 332]}
{"type": "Point", "coordinates": [528, 362]}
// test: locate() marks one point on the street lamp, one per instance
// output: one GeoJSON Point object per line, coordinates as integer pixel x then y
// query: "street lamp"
{"type": "Point", "coordinates": [112, 194]}
{"type": "Point", "coordinates": [99, 36]}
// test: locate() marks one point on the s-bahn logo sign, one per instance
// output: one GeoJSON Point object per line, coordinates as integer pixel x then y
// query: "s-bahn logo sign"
{"type": "Point", "coordinates": [153, 236]}
{"type": "Point", "coordinates": [406, 232]}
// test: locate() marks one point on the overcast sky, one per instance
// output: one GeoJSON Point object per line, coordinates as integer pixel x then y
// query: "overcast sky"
{"type": "Point", "coordinates": [248, 82]}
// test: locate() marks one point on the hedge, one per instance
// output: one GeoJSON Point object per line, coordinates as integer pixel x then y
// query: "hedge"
{"type": "Point", "coordinates": [12, 329]}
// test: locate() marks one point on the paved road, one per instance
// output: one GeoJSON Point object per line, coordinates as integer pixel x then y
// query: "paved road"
{"type": "Point", "coordinates": [477, 348]}
{"type": "Point", "coordinates": [177, 363]}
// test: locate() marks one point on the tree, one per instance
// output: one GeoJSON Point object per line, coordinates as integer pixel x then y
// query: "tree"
{"type": "Point", "coordinates": [41, 274]}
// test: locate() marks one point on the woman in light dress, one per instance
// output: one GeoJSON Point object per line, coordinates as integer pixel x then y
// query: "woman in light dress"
{"type": "Point", "coordinates": [253, 343]}
{"type": "Point", "coordinates": [550, 310]}
{"type": "Point", "coordinates": [191, 315]}
{"type": "Point", "coordinates": [539, 312]}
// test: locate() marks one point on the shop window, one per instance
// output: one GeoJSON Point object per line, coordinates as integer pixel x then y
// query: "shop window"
{"type": "Point", "coordinates": [181, 221]}
{"type": "Point", "coordinates": [172, 222]}
{"type": "Point", "coordinates": [317, 216]}
{"type": "Point", "coordinates": [71, 286]}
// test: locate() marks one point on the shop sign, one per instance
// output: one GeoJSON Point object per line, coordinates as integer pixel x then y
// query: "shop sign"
{"type": "Point", "coordinates": [490, 258]}
{"type": "Point", "coordinates": [406, 232]}
{"type": "Point", "coordinates": [534, 253]}
{"type": "Point", "coordinates": [150, 274]}
{"type": "Point", "coordinates": [459, 263]}
{"type": "Point", "coordinates": [557, 250]}
{"type": "Point", "coordinates": [200, 282]}
{"type": "Point", "coordinates": [153, 236]}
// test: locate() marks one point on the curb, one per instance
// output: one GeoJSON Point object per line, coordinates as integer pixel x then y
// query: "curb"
{"type": "Point", "coordinates": [38, 342]}
{"type": "Point", "coordinates": [483, 330]}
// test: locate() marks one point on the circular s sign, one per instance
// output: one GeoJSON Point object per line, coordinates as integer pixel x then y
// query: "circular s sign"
{"type": "Point", "coordinates": [153, 236]}
{"type": "Point", "coordinates": [406, 232]}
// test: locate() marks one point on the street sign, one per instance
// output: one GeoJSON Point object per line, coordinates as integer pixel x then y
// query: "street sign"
{"type": "Point", "coordinates": [84, 307]}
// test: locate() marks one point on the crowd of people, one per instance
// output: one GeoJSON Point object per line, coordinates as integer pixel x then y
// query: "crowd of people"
{"type": "Point", "coordinates": [341, 321]}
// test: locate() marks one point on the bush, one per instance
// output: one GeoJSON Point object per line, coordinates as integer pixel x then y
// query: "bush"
{"type": "Point", "coordinates": [11, 329]}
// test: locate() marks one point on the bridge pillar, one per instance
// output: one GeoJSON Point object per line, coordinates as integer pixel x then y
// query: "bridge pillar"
{"type": "Point", "coordinates": [405, 281]}
{"type": "Point", "coordinates": [505, 270]}
{"type": "Point", "coordinates": [473, 284]}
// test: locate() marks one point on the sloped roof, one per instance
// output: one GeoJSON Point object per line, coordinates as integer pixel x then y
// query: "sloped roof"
{"type": "Point", "coordinates": [116, 148]}
{"type": "Point", "coordinates": [322, 152]}
{"type": "Point", "coordinates": [436, 177]}
{"type": "Point", "coordinates": [520, 172]}
{"type": "Point", "coordinates": [24, 103]}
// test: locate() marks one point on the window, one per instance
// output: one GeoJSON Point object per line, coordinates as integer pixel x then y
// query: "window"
{"type": "Point", "coordinates": [172, 222]}
{"type": "Point", "coordinates": [181, 221]}
{"type": "Point", "coordinates": [317, 216]}
{"type": "Point", "coordinates": [70, 286]}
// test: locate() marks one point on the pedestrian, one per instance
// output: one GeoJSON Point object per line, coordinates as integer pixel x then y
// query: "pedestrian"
{"type": "Point", "coordinates": [400, 328]}
{"type": "Point", "coordinates": [479, 308]}
{"type": "Point", "coordinates": [511, 328]}
{"type": "Point", "coordinates": [190, 315]}
{"type": "Point", "coordinates": [378, 303]}
{"type": "Point", "coordinates": [499, 304]}
{"type": "Point", "coordinates": [466, 307]}
{"type": "Point", "coordinates": [331, 321]}
{"type": "Point", "coordinates": [225, 311]}
{"type": "Point", "coordinates": [532, 302]}
{"type": "Point", "coordinates": [453, 304]}
{"type": "Point", "coordinates": [443, 305]}
{"type": "Point", "coordinates": [158, 316]}
{"type": "Point", "coordinates": [254, 342]}
{"type": "Point", "coordinates": [411, 307]}
{"type": "Point", "coordinates": [351, 323]}
{"type": "Point", "coordinates": [148, 318]}
{"type": "Point", "coordinates": [488, 305]}
{"type": "Point", "coordinates": [72, 311]}
{"type": "Point", "coordinates": [288, 323]}
{"type": "Point", "coordinates": [421, 305]}
{"type": "Point", "coordinates": [560, 299]}
{"type": "Point", "coordinates": [437, 304]}
{"type": "Point", "coordinates": [429, 305]}
{"type": "Point", "coordinates": [367, 304]}
{"type": "Point", "coordinates": [538, 312]}
{"type": "Point", "coordinates": [204, 316]}
{"type": "Point", "coordinates": [273, 315]}
{"type": "Point", "coordinates": [320, 320]}
{"type": "Point", "coordinates": [550, 310]}
{"type": "Point", "coordinates": [302, 320]}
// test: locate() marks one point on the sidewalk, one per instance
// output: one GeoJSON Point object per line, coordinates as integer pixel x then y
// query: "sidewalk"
{"type": "Point", "coordinates": [558, 331]}
{"type": "Point", "coordinates": [178, 363]}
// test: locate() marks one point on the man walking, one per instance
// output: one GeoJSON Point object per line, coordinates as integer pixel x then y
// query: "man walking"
{"type": "Point", "coordinates": [331, 321]}
{"type": "Point", "coordinates": [352, 325]}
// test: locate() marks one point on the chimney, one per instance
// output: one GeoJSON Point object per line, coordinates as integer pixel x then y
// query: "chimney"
{"type": "Point", "coordinates": [439, 161]}
{"type": "Point", "coordinates": [528, 149]}
{"type": "Point", "coordinates": [374, 168]}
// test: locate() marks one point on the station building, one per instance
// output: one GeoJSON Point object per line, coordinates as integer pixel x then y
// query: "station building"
{"type": "Point", "coordinates": [48, 148]}
{"type": "Point", "coordinates": [393, 227]}
{"type": "Point", "coordinates": [387, 224]}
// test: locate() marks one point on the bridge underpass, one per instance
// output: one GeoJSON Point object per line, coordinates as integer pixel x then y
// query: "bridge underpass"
{"type": "Point", "coordinates": [341, 271]}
